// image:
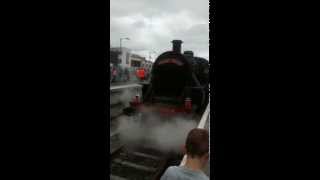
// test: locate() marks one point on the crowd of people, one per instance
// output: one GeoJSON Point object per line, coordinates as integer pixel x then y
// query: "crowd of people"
{"type": "Point", "coordinates": [119, 74]}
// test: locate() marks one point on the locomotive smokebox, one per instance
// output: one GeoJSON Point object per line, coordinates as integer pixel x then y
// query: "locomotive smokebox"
{"type": "Point", "coordinates": [176, 46]}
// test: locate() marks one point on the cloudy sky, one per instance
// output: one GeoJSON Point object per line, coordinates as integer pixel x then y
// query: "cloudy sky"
{"type": "Point", "coordinates": [151, 25]}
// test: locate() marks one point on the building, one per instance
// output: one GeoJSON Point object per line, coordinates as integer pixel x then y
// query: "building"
{"type": "Point", "coordinates": [128, 59]}
{"type": "Point", "coordinates": [147, 64]}
{"type": "Point", "coordinates": [124, 57]}
{"type": "Point", "coordinates": [114, 57]}
{"type": "Point", "coordinates": [136, 60]}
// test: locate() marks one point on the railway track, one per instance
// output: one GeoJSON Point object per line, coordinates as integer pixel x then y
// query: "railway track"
{"type": "Point", "coordinates": [115, 143]}
{"type": "Point", "coordinates": [140, 162]}
{"type": "Point", "coordinates": [137, 163]}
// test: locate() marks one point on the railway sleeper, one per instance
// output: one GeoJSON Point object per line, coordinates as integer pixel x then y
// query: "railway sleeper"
{"type": "Point", "coordinates": [135, 166]}
{"type": "Point", "coordinates": [116, 105]}
{"type": "Point", "coordinates": [114, 134]}
{"type": "Point", "coordinates": [146, 156]}
{"type": "Point", "coordinates": [141, 155]}
{"type": "Point", "coordinates": [130, 173]}
{"type": "Point", "coordinates": [140, 160]}
{"type": "Point", "coordinates": [115, 147]}
{"type": "Point", "coordinates": [114, 177]}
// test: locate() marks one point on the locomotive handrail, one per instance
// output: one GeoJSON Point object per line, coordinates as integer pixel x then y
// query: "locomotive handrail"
{"type": "Point", "coordinates": [205, 117]}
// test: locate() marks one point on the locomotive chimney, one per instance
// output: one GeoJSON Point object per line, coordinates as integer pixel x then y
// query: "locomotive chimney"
{"type": "Point", "coordinates": [176, 46]}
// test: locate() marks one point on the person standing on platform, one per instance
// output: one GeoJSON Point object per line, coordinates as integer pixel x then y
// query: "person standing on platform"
{"type": "Point", "coordinates": [142, 74]}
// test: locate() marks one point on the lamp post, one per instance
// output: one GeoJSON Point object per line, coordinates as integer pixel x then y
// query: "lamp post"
{"type": "Point", "coordinates": [121, 47]}
{"type": "Point", "coordinates": [152, 51]}
{"type": "Point", "coordinates": [121, 43]}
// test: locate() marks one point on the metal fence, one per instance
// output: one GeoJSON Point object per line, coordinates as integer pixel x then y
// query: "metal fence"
{"type": "Point", "coordinates": [203, 124]}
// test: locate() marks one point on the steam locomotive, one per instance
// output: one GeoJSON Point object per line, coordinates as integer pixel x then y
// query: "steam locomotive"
{"type": "Point", "coordinates": [178, 91]}
{"type": "Point", "coordinates": [180, 82]}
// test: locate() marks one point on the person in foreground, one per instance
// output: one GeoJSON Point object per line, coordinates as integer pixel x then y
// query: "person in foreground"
{"type": "Point", "coordinates": [197, 150]}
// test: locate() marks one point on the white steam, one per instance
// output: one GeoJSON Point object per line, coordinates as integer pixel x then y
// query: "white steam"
{"type": "Point", "coordinates": [159, 133]}
{"type": "Point", "coordinates": [126, 96]}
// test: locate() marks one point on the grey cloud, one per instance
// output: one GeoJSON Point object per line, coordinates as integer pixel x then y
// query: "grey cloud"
{"type": "Point", "coordinates": [139, 24]}
{"type": "Point", "coordinates": [127, 7]}
{"type": "Point", "coordinates": [153, 24]}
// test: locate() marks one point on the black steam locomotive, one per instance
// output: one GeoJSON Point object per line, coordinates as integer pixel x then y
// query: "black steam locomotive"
{"type": "Point", "coordinates": [179, 79]}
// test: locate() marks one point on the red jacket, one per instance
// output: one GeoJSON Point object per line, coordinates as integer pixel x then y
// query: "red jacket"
{"type": "Point", "coordinates": [141, 73]}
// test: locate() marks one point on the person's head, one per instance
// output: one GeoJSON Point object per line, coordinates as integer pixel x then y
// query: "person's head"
{"type": "Point", "coordinates": [197, 145]}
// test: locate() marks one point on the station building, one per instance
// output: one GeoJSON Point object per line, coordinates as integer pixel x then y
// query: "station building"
{"type": "Point", "coordinates": [147, 65]}
{"type": "Point", "coordinates": [130, 60]}
{"type": "Point", "coordinates": [124, 57]}
{"type": "Point", "coordinates": [137, 61]}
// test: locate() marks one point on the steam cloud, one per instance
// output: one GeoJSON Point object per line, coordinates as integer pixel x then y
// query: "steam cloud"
{"type": "Point", "coordinates": [153, 131]}
{"type": "Point", "coordinates": [126, 96]}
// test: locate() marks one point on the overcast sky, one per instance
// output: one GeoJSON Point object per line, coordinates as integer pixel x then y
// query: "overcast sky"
{"type": "Point", "coordinates": [151, 25]}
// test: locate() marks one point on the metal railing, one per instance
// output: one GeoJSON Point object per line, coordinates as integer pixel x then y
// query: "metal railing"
{"type": "Point", "coordinates": [203, 124]}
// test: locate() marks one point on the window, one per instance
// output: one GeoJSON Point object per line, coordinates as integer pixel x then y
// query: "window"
{"type": "Point", "coordinates": [135, 63]}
